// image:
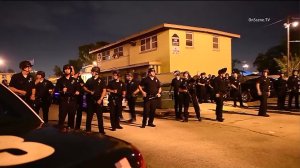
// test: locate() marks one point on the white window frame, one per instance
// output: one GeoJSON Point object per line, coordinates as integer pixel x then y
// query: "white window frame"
{"type": "Point", "coordinates": [189, 40]}
{"type": "Point", "coordinates": [105, 55]}
{"type": "Point", "coordinates": [118, 52]}
{"type": "Point", "coordinates": [149, 43]}
{"type": "Point", "coordinates": [216, 43]}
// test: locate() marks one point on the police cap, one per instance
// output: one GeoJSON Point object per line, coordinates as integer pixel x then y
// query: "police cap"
{"type": "Point", "coordinates": [42, 73]}
{"type": "Point", "coordinates": [186, 72]}
{"type": "Point", "coordinates": [203, 73]}
{"type": "Point", "coordinates": [235, 71]}
{"type": "Point", "coordinates": [96, 69]}
{"type": "Point", "coordinates": [24, 64]}
{"type": "Point", "coordinates": [222, 71]}
{"type": "Point", "coordinates": [116, 72]}
{"type": "Point", "coordinates": [129, 74]}
{"type": "Point", "coordinates": [151, 70]}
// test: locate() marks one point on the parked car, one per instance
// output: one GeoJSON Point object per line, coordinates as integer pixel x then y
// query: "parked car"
{"type": "Point", "coordinates": [248, 86]}
{"type": "Point", "coordinates": [25, 141]}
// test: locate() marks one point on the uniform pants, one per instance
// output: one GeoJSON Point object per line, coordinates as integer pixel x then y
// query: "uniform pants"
{"type": "Point", "coordinates": [236, 96]}
{"type": "Point", "coordinates": [185, 99]}
{"type": "Point", "coordinates": [92, 108]}
{"type": "Point", "coordinates": [296, 95]}
{"type": "Point", "coordinates": [45, 108]}
{"type": "Point", "coordinates": [115, 106]}
{"type": "Point", "coordinates": [177, 105]}
{"type": "Point", "coordinates": [203, 94]}
{"type": "Point", "coordinates": [67, 107]}
{"type": "Point", "coordinates": [131, 104]}
{"type": "Point", "coordinates": [219, 107]}
{"type": "Point", "coordinates": [149, 108]}
{"type": "Point", "coordinates": [263, 104]}
{"type": "Point", "coordinates": [281, 100]}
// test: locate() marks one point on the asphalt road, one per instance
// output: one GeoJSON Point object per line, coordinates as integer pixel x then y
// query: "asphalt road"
{"type": "Point", "coordinates": [243, 140]}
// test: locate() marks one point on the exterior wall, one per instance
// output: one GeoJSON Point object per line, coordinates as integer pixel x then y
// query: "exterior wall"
{"type": "Point", "coordinates": [201, 57]}
{"type": "Point", "coordinates": [6, 76]}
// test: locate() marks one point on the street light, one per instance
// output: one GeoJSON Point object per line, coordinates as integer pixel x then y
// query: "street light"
{"type": "Point", "coordinates": [287, 26]}
{"type": "Point", "coordinates": [2, 62]}
{"type": "Point", "coordinates": [95, 63]}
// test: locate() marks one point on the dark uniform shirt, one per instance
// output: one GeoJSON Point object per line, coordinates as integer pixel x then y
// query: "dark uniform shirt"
{"type": "Point", "coordinates": [42, 89]}
{"type": "Point", "coordinates": [95, 85]}
{"type": "Point", "coordinates": [184, 84]}
{"type": "Point", "coordinates": [131, 87]}
{"type": "Point", "coordinates": [219, 85]}
{"type": "Point", "coordinates": [236, 82]}
{"type": "Point", "coordinates": [119, 86]}
{"type": "Point", "coordinates": [71, 85]}
{"type": "Point", "coordinates": [18, 81]}
{"type": "Point", "coordinates": [176, 84]}
{"type": "Point", "coordinates": [281, 85]}
{"type": "Point", "coordinates": [293, 83]}
{"type": "Point", "coordinates": [264, 84]}
{"type": "Point", "coordinates": [150, 86]}
{"type": "Point", "coordinates": [202, 81]}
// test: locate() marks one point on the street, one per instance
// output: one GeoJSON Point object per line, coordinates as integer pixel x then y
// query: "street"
{"type": "Point", "coordinates": [242, 140]}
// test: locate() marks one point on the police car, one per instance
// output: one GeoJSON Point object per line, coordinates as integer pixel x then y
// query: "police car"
{"type": "Point", "coordinates": [25, 141]}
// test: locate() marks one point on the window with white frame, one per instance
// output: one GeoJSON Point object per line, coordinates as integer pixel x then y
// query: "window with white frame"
{"type": "Point", "coordinates": [215, 42]}
{"type": "Point", "coordinates": [149, 43]}
{"type": "Point", "coordinates": [105, 55]}
{"type": "Point", "coordinates": [189, 39]}
{"type": "Point", "coordinates": [118, 52]}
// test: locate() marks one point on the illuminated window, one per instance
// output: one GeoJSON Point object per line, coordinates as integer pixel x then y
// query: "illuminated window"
{"type": "Point", "coordinates": [215, 42]}
{"type": "Point", "coordinates": [189, 39]}
{"type": "Point", "coordinates": [149, 43]}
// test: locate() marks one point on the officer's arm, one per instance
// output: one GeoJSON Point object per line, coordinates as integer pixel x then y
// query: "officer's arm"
{"type": "Point", "coordinates": [258, 88]}
{"type": "Point", "coordinates": [102, 95]}
{"type": "Point", "coordinates": [17, 91]}
{"type": "Point", "coordinates": [87, 90]}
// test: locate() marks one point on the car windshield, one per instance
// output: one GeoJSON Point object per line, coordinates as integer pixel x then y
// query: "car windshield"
{"type": "Point", "coordinates": [15, 115]}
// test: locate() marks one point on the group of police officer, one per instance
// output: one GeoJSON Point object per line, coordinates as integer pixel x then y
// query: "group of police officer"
{"type": "Point", "coordinates": [38, 94]}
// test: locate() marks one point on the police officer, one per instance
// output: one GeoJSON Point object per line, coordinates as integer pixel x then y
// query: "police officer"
{"type": "Point", "coordinates": [151, 90]}
{"type": "Point", "coordinates": [235, 88]}
{"type": "Point", "coordinates": [79, 97]}
{"type": "Point", "coordinates": [281, 89]}
{"type": "Point", "coordinates": [219, 90]}
{"type": "Point", "coordinates": [68, 89]}
{"type": "Point", "coordinates": [175, 84]}
{"type": "Point", "coordinates": [293, 87]}
{"type": "Point", "coordinates": [44, 91]}
{"type": "Point", "coordinates": [263, 86]}
{"type": "Point", "coordinates": [188, 93]}
{"type": "Point", "coordinates": [201, 83]}
{"type": "Point", "coordinates": [96, 89]}
{"type": "Point", "coordinates": [131, 95]}
{"type": "Point", "coordinates": [23, 84]}
{"type": "Point", "coordinates": [117, 92]}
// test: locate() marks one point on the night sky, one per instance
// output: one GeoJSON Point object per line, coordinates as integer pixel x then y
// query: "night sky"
{"type": "Point", "coordinates": [51, 32]}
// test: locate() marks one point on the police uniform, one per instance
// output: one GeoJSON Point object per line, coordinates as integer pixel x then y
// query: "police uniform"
{"type": "Point", "coordinates": [131, 87]}
{"type": "Point", "coordinates": [187, 94]}
{"type": "Point", "coordinates": [21, 82]}
{"type": "Point", "coordinates": [175, 83]}
{"type": "Point", "coordinates": [293, 86]}
{"type": "Point", "coordinates": [264, 85]}
{"type": "Point", "coordinates": [68, 100]}
{"type": "Point", "coordinates": [220, 89]}
{"type": "Point", "coordinates": [80, 102]}
{"type": "Point", "coordinates": [151, 86]}
{"type": "Point", "coordinates": [236, 91]}
{"type": "Point", "coordinates": [281, 88]}
{"type": "Point", "coordinates": [97, 86]}
{"type": "Point", "coordinates": [43, 97]}
{"type": "Point", "coordinates": [115, 102]}
{"type": "Point", "coordinates": [201, 84]}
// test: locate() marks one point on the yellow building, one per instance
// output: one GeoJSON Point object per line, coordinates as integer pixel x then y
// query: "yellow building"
{"type": "Point", "coordinates": [168, 47]}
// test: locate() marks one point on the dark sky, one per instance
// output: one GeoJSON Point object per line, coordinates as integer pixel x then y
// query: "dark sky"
{"type": "Point", "coordinates": [50, 32]}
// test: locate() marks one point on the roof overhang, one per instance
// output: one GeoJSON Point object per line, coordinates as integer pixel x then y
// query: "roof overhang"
{"type": "Point", "coordinates": [166, 26]}
{"type": "Point", "coordinates": [133, 66]}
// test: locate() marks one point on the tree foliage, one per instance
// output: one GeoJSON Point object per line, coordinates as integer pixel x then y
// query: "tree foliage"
{"type": "Point", "coordinates": [84, 55]}
{"type": "Point", "coordinates": [294, 63]}
{"type": "Point", "coordinates": [57, 71]}
{"type": "Point", "coordinates": [235, 62]}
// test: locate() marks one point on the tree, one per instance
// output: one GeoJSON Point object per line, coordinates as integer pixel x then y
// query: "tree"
{"type": "Point", "coordinates": [294, 63]}
{"type": "Point", "coordinates": [77, 64]}
{"type": "Point", "coordinates": [235, 62]}
{"type": "Point", "coordinates": [57, 71]}
{"type": "Point", "coordinates": [10, 70]}
{"type": "Point", "coordinates": [84, 55]}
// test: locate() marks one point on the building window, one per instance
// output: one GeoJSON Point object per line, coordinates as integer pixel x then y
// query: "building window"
{"type": "Point", "coordinates": [118, 52]}
{"type": "Point", "coordinates": [149, 43]}
{"type": "Point", "coordinates": [105, 55]}
{"type": "Point", "coordinates": [215, 42]}
{"type": "Point", "coordinates": [189, 39]}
